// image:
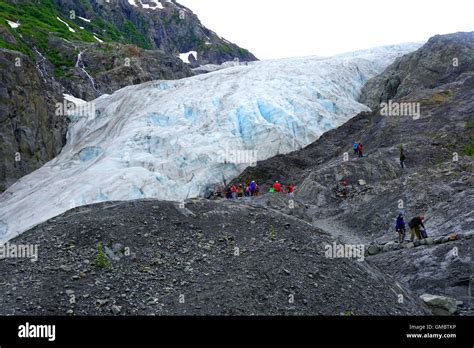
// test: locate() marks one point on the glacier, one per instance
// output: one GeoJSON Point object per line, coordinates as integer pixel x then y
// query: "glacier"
{"type": "Point", "coordinates": [173, 140]}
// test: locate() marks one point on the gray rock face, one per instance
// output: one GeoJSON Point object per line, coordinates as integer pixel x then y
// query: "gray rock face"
{"type": "Point", "coordinates": [443, 59]}
{"type": "Point", "coordinates": [113, 66]}
{"type": "Point", "coordinates": [438, 269]}
{"type": "Point", "coordinates": [30, 131]}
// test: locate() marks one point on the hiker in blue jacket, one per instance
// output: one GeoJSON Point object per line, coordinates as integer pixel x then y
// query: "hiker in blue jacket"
{"type": "Point", "coordinates": [400, 228]}
{"type": "Point", "coordinates": [253, 189]}
{"type": "Point", "coordinates": [355, 148]}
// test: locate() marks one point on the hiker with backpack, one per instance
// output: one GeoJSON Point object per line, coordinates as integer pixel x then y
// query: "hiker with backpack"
{"type": "Point", "coordinates": [415, 225]}
{"type": "Point", "coordinates": [356, 145]}
{"type": "Point", "coordinates": [240, 191]}
{"type": "Point", "coordinates": [253, 188]}
{"type": "Point", "coordinates": [400, 228]}
{"type": "Point", "coordinates": [359, 150]}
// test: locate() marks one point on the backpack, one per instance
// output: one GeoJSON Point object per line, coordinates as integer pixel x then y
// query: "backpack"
{"type": "Point", "coordinates": [424, 234]}
{"type": "Point", "coordinates": [252, 186]}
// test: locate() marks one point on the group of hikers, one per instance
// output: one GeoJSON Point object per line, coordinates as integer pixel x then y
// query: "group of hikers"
{"type": "Point", "coordinates": [359, 152]}
{"type": "Point", "coordinates": [415, 225]}
{"type": "Point", "coordinates": [253, 190]}
{"type": "Point", "coordinates": [358, 149]}
{"type": "Point", "coordinates": [290, 188]}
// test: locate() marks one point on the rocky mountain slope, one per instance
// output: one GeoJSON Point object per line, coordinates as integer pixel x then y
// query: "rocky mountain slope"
{"type": "Point", "coordinates": [443, 59]}
{"type": "Point", "coordinates": [154, 24]}
{"type": "Point", "coordinates": [149, 24]}
{"type": "Point", "coordinates": [87, 49]}
{"type": "Point", "coordinates": [437, 180]}
{"type": "Point", "coordinates": [172, 140]}
{"type": "Point", "coordinates": [30, 131]}
{"type": "Point", "coordinates": [204, 258]}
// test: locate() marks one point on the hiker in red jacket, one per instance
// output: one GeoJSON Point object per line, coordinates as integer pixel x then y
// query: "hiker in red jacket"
{"type": "Point", "coordinates": [234, 191]}
{"type": "Point", "coordinates": [277, 186]}
{"type": "Point", "coordinates": [359, 150]}
{"type": "Point", "coordinates": [291, 190]}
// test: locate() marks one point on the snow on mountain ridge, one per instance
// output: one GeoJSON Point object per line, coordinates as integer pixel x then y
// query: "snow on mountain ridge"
{"type": "Point", "coordinates": [171, 140]}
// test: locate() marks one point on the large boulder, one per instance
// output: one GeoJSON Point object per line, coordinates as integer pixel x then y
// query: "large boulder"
{"type": "Point", "coordinates": [373, 249]}
{"type": "Point", "coordinates": [440, 305]}
{"type": "Point", "coordinates": [390, 246]}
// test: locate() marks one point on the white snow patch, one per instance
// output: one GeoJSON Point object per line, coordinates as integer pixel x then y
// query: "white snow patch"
{"type": "Point", "coordinates": [84, 19]}
{"type": "Point", "coordinates": [73, 99]}
{"type": "Point", "coordinates": [13, 24]}
{"type": "Point", "coordinates": [95, 37]}
{"type": "Point", "coordinates": [70, 29]}
{"type": "Point", "coordinates": [185, 56]}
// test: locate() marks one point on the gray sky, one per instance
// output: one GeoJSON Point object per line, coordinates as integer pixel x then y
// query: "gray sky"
{"type": "Point", "coordinates": [290, 28]}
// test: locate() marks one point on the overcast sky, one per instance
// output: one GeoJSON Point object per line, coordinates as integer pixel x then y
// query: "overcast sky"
{"type": "Point", "coordinates": [290, 28]}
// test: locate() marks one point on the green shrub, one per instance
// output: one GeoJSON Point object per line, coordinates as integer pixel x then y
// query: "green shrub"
{"type": "Point", "coordinates": [469, 148]}
{"type": "Point", "coordinates": [273, 233]}
{"type": "Point", "coordinates": [102, 261]}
